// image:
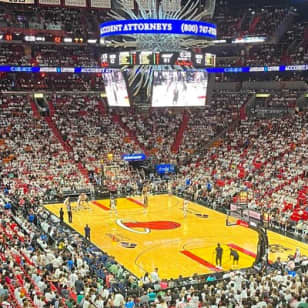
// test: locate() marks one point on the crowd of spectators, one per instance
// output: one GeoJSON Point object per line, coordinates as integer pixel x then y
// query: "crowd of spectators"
{"type": "Point", "coordinates": [291, 49]}
{"type": "Point", "coordinates": [93, 135]}
{"type": "Point", "coordinates": [264, 158]}
{"type": "Point", "coordinates": [156, 131]}
{"type": "Point", "coordinates": [235, 22]}
{"type": "Point", "coordinates": [48, 55]}
{"type": "Point", "coordinates": [70, 56]}
{"type": "Point", "coordinates": [13, 54]}
{"type": "Point", "coordinates": [220, 111]}
{"type": "Point", "coordinates": [267, 20]}
{"type": "Point", "coordinates": [50, 82]}
{"type": "Point", "coordinates": [72, 21]}
{"type": "Point", "coordinates": [45, 264]}
{"type": "Point", "coordinates": [298, 51]}
{"type": "Point", "coordinates": [278, 103]}
{"type": "Point", "coordinates": [34, 161]}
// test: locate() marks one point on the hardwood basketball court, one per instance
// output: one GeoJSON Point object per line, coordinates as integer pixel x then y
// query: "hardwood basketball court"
{"type": "Point", "coordinates": [160, 236]}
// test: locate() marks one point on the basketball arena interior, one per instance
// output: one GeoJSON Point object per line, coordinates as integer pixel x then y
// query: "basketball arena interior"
{"type": "Point", "coordinates": [154, 153]}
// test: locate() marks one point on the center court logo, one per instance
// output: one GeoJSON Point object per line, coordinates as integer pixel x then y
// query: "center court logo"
{"type": "Point", "coordinates": [145, 227]}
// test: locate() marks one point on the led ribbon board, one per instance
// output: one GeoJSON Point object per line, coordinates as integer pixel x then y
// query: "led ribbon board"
{"type": "Point", "coordinates": [158, 26]}
{"type": "Point", "coordinates": [91, 70]}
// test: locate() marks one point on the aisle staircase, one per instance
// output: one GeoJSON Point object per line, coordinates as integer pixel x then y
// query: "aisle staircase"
{"type": "Point", "coordinates": [83, 170]}
{"type": "Point", "coordinates": [179, 136]}
{"type": "Point", "coordinates": [51, 108]}
{"type": "Point", "coordinates": [36, 113]}
{"type": "Point", "coordinates": [253, 24]}
{"type": "Point", "coordinates": [53, 127]}
{"type": "Point", "coordinates": [57, 134]}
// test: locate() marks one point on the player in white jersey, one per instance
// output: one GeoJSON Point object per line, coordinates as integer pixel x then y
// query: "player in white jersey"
{"type": "Point", "coordinates": [82, 202]}
{"type": "Point", "coordinates": [185, 207]}
{"type": "Point", "coordinates": [113, 205]}
{"type": "Point", "coordinates": [170, 188]}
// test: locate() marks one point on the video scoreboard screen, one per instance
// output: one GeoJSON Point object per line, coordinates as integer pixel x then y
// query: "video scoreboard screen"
{"type": "Point", "coordinates": [116, 90]}
{"type": "Point", "coordinates": [182, 58]}
{"type": "Point", "coordinates": [173, 88]}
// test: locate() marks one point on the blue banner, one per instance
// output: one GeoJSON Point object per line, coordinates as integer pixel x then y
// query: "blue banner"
{"type": "Point", "coordinates": [91, 70]}
{"type": "Point", "coordinates": [165, 168]}
{"type": "Point", "coordinates": [158, 26]}
{"type": "Point", "coordinates": [134, 157]}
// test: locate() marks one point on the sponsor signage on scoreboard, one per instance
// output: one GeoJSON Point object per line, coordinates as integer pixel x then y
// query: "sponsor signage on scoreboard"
{"type": "Point", "coordinates": [134, 157]}
{"type": "Point", "coordinates": [158, 26]}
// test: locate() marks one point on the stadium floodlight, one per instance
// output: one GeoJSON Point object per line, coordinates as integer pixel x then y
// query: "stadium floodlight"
{"type": "Point", "coordinates": [30, 38]}
{"type": "Point", "coordinates": [92, 41]}
{"type": "Point", "coordinates": [40, 38]}
{"type": "Point", "coordinates": [38, 95]}
{"type": "Point", "coordinates": [68, 40]}
{"type": "Point", "coordinates": [262, 95]}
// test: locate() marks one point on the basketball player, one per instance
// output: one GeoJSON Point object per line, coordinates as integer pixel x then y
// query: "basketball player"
{"type": "Point", "coordinates": [144, 192]}
{"type": "Point", "coordinates": [79, 203]}
{"type": "Point", "coordinates": [169, 188]}
{"type": "Point", "coordinates": [235, 255]}
{"type": "Point", "coordinates": [82, 202]}
{"type": "Point", "coordinates": [145, 201]}
{"type": "Point", "coordinates": [115, 95]}
{"type": "Point", "coordinates": [175, 96]}
{"type": "Point", "coordinates": [86, 202]}
{"type": "Point", "coordinates": [219, 252]}
{"type": "Point", "coordinates": [113, 205]}
{"type": "Point", "coordinates": [185, 207]}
